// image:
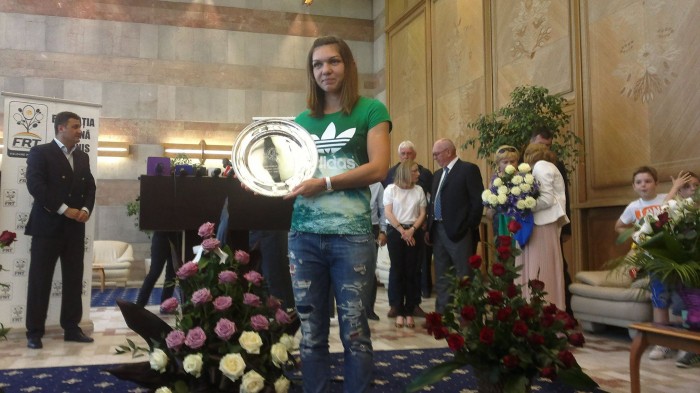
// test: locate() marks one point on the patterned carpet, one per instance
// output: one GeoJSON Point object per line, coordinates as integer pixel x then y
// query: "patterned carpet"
{"type": "Point", "coordinates": [393, 370]}
{"type": "Point", "coordinates": [108, 297]}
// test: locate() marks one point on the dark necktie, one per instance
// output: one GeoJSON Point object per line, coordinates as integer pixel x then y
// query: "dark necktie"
{"type": "Point", "coordinates": [438, 203]}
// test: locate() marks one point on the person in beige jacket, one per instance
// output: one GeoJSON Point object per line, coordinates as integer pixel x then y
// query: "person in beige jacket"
{"type": "Point", "coordinates": [542, 257]}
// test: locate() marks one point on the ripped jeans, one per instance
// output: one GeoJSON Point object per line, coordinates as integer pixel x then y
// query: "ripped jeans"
{"type": "Point", "coordinates": [347, 262]}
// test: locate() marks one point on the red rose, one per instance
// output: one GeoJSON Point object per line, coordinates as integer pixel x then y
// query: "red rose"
{"type": "Point", "coordinates": [536, 339]}
{"type": "Point", "coordinates": [512, 290]}
{"type": "Point", "coordinates": [550, 309]}
{"type": "Point", "coordinates": [663, 219]}
{"type": "Point", "coordinates": [548, 372]}
{"type": "Point", "coordinates": [526, 312]}
{"type": "Point", "coordinates": [475, 261]}
{"type": "Point", "coordinates": [486, 335]}
{"type": "Point", "coordinates": [498, 269]}
{"type": "Point", "coordinates": [577, 339]}
{"type": "Point", "coordinates": [503, 252]}
{"type": "Point", "coordinates": [511, 361]}
{"type": "Point", "coordinates": [495, 297]}
{"type": "Point", "coordinates": [569, 323]}
{"type": "Point", "coordinates": [567, 358]}
{"type": "Point", "coordinates": [433, 320]}
{"type": "Point", "coordinates": [464, 282]}
{"type": "Point", "coordinates": [504, 313]}
{"type": "Point", "coordinates": [504, 241]}
{"type": "Point", "coordinates": [455, 342]}
{"type": "Point", "coordinates": [547, 320]}
{"type": "Point", "coordinates": [468, 313]}
{"type": "Point", "coordinates": [440, 332]}
{"type": "Point", "coordinates": [6, 238]}
{"type": "Point", "coordinates": [536, 285]}
{"type": "Point", "coordinates": [514, 226]}
{"type": "Point", "coordinates": [520, 329]}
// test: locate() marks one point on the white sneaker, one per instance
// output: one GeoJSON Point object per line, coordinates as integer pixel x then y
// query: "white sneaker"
{"type": "Point", "coordinates": [660, 353]}
{"type": "Point", "coordinates": [688, 360]}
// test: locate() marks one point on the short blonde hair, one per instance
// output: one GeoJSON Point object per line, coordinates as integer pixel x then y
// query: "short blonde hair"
{"type": "Point", "coordinates": [506, 152]}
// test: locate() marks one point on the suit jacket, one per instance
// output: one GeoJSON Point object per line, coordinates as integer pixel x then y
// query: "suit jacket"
{"type": "Point", "coordinates": [52, 182]}
{"type": "Point", "coordinates": [460, 199]}
{"type": "Point", "coordinates": [551, 204]}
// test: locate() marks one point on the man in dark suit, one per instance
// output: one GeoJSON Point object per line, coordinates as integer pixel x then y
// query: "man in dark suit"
{"type": "Point", "coordinates": [407, 151]}
{"type": "Point", "coordinates": [59, 179]}
{"type": "Point", "coordinates": [454, 215]}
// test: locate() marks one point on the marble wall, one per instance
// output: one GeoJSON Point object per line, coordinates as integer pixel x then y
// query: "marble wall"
{"type": "Point", "coordinates": [168, 71]}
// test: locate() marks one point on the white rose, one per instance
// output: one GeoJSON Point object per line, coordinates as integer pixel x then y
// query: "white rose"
{"type": "Point", "coordinates": [525, 187]}
{"type": "Point", "coordinates": [279, 354]}
{"type": "Point", "coordinates": [502, 199]}
{"type": "Point", "coordinates": [510, 169]}
{"type": "Point", "coordinates": [485, 195]}
{"type": "Point", "coordinates": [524, 167]}
{"type": "Point", "coordinates": [158, 360]}
{"type": "Point", "coordinates": [164, 389]}
{"type": "Point", "coordinates": [282, 385]}
{"type": "Point", "coordinates": [646, 228]}
{"type": "Point", "coordinates": [502, 190]}
{"type": "Point", "coordinates": [232, 366]}
{"type": "Point", "coordinates": [251, 342]}
{"type": "Point", "coordinates": [497, 182]}
{"type": "Point", "coordinates": [521, 204]}
{"type": "Point", "coordinates": [493, 200]}
{"type": "Point", "coordinates": [193, 364]}
{"type": "Point", "coordinates": [517, 179]}
{"type": "Point", "coordinates": [529, 179]}
{"type": "Point", "coordinates": [530, 202]}
{"type": "Point", "coordinates": [515, 190]}
{"type": "Point", "coordinates": [252, 382]}
{"type": "Point", "coordinates": [288, 342]}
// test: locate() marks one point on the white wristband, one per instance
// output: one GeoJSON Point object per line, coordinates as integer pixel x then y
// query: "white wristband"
{"type": "Point", "coordinates": [329, 187]}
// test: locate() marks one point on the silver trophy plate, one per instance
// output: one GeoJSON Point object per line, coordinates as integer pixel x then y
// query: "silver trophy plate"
{"type": "Point", "coordinates": [272, 156]}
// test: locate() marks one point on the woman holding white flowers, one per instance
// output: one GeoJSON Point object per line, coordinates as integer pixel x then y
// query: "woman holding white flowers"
{"type": "Point", "coordinates": [505, 155]}
{"type": "Point", "coordinates": [542, 257]}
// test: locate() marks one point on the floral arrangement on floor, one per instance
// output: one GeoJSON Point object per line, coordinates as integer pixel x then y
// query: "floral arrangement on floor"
{"type": "Point", "coordinates": [229, 335]}
{"type": "Point", "coordinates": [513, 193]}
{"type": "Point", "coordinates": [508, 340]}
{"type": "Point", "coordinates": [669, 244]}
{"type": "Point", "coordinates": [6, 238]}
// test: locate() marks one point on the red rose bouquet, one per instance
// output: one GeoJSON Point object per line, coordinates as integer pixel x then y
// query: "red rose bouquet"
{"type": "Point", "coordinates": [505, 338]}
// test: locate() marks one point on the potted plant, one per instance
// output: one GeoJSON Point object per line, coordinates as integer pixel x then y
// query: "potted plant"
{"type": "Point", "coordinates": [506, 339]}
{"type": "Point", "coordinates": [530, 108]}
{"type": "Point", "coordinates": [667, 247]}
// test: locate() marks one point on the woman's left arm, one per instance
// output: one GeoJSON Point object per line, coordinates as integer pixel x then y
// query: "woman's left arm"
{"type": "Point", "coordinates": [378, 145]}
{"type": "Point", "coordinates": [545, 176]}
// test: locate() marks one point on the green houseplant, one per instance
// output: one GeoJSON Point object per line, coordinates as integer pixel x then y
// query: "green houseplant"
{"type": "Point", "coordinates": [530, 108]}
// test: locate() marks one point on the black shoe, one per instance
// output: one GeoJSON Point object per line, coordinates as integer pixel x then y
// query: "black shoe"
{"type": "Point", "coordinates": [34, 343]}
{"type": "Point", "coordinates": [393, 312]}
{"type": "Point", "coordinates": [78, 337]}
{"type": "Point", "coordinates": [373, 316]}
{"type": "Point", "coordinates": [418, 312]}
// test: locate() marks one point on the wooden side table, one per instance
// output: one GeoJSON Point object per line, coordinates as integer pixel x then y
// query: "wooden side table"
{"type": "Point", "coordinates": [101, 272]}
{"type": "Point", "coordinates": [667, 336]}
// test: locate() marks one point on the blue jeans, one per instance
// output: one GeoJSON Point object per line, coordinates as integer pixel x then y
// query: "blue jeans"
{"type": "Point", "coordinates": [346, 262]}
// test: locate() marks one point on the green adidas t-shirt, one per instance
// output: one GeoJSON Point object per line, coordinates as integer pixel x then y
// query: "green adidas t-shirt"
{"type": "Point", "coordinates": [341, 141]}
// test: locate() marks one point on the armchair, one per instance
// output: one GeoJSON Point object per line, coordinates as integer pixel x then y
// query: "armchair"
{"type": "Point", "coordinates": [115, 257]}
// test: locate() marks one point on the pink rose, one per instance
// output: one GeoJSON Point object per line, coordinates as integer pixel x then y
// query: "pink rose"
{"type": "Point", "coordinates": [187, 270]}
{"type": "Point", "coordinates": [222, 303]}
{"type": "Point", "coordinates": [282, 317]}
{"type": "Point", "coordinates": [227, 277]}
{"type": "Point", "coordinates": [169, 305]}
{"type": "Point", "coordinates": [225, 329]}
{"type": "Point", "coordinates": [175, 339]}
{"type": "Point", "coordinates": [211, 244]}
{"type": "Point", "coordinates": [250, 299]}
{"type": "Point", "coordinates": [259, 322]}
{"type": "Point", "coordinates": [201, 296]}
{"type": "Point", "coordinates": [195, 338]}
{"type": "Point", "coordinates": [242, 257]}
{"type": "Point", "coordinates": [206, 230]}
{"type": "Point", "coordinates": [254, 277]}
{"type": "Point", "coordinates": [273, 302]}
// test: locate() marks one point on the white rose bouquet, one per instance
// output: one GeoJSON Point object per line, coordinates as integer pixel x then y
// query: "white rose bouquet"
{"type": "Point", "coordinates": [512, 193]}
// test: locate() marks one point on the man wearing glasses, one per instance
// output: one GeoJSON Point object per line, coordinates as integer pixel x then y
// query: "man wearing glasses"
{"type": "Point", "coordinates": [454, 215]}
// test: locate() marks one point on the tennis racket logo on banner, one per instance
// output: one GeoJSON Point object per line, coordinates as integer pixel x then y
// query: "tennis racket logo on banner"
{"type": "Point", "coordinates": [26, 128]}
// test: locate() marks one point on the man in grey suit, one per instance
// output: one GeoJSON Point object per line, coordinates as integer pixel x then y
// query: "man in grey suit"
{"type": "Point", "coordinates": [59, 179]}
{"type": "Point", "coordinates": [454, 215]}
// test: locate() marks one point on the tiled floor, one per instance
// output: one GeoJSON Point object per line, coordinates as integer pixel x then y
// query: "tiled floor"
{"type": "Point", "coordinates": [605, 357]}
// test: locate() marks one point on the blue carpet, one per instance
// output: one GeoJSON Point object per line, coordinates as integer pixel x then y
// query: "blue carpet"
{"type": "Point", "coordinates": [393, 370]}
{"type": "Point", "coordinates": [108, 297]}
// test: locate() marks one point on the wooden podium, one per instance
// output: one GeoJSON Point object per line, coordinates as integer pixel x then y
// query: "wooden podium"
{"type": "Point", "coordinates": [183, 203]}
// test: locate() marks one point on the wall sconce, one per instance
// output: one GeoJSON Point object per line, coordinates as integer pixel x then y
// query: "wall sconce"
{"type": "Point", "coordinates": [200, 151]}
{"type": "Point", "coordinates": [307, 2]}
{"type": "Point", "coordinates": [113, 149]}
{"type": "Point", "coordinates": [2, 144]}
